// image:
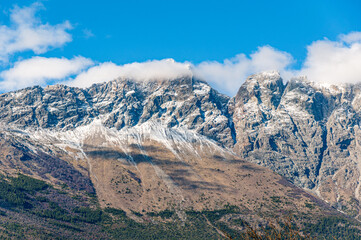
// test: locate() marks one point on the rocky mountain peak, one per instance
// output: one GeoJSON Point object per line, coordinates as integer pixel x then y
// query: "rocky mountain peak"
{"type": "Point", "coordinates": [264, 88]}
{"type": "Point", "coordinates": [182, 102]}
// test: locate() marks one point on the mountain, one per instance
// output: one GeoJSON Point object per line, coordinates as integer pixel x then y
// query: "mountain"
{"type": "Point", "coordinates": [179, 149]}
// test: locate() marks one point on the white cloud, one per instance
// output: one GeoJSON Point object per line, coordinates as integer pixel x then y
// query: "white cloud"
{"type": "Point", "coordinates": [145, 71]}
{"type": "Point", "coordinates": [268, 58]}
{"type": "Point", "coordinates": [352, 37]}
{"type": "Point", "coordinates": [228, 76]}
{"type": "Point", "coordinates": [40, 70]}
{"type": "Point", "coordinates": [27, 32]}
{"type": "Point", "coordinates": [96, 74]}
{"type": "Point", "coordinates": [334, 62]}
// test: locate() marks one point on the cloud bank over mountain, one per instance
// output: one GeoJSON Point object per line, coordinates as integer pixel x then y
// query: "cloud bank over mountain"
{"type": "Point", "coordinates": [330, 62]}
{"type": "Point", "coordinates": [145, 71]}
{"type": "Point", "coordinates": [327, 61]}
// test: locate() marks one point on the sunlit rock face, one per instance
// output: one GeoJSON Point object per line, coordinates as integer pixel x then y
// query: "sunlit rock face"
{"type": "Point", "coordinates": [123, 103]}
{"type": "Point", "coordinates": [305, 131]}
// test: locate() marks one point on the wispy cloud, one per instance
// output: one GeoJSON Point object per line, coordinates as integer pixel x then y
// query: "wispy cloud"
{"type": "Point", "coordinates": [88, 33]}
{"type": "Point", "coordinates": [27, 32]}
{"type": "Point", "coordinates": [40, 70]}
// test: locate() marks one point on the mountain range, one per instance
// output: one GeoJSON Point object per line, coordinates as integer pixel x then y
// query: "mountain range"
{"type": "Point", "coordinates": [177, 151]}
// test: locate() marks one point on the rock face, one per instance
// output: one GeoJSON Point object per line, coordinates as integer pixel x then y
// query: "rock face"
{"type": "Point", "coordinates": [144, 147]}
{"type": "Point", "coordinates": [183, 102]}
{"type": "Point", "coordinates": [307, 132]}
{"type": "Point", "coordinates": [304, 131]}
{"type": "Point", "coordinates": [281, 126]}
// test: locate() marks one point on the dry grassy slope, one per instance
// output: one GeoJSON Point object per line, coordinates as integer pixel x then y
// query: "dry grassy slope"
{"type": "Point", "coordinates": [150, 169]}
{"type": "Point", "coordinates": [20, 153]}
{"type": "Point", "coordinates": [145, 170]}
{"type": "Point", "coordinates": [211, 180]}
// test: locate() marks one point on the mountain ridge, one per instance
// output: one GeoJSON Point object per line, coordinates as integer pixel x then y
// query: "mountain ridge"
{"type": "Point", "coordinates": [181, 145]}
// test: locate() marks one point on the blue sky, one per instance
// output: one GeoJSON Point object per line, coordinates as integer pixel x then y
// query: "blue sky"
{"type": "Point", "coordinates": [188, 31]}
